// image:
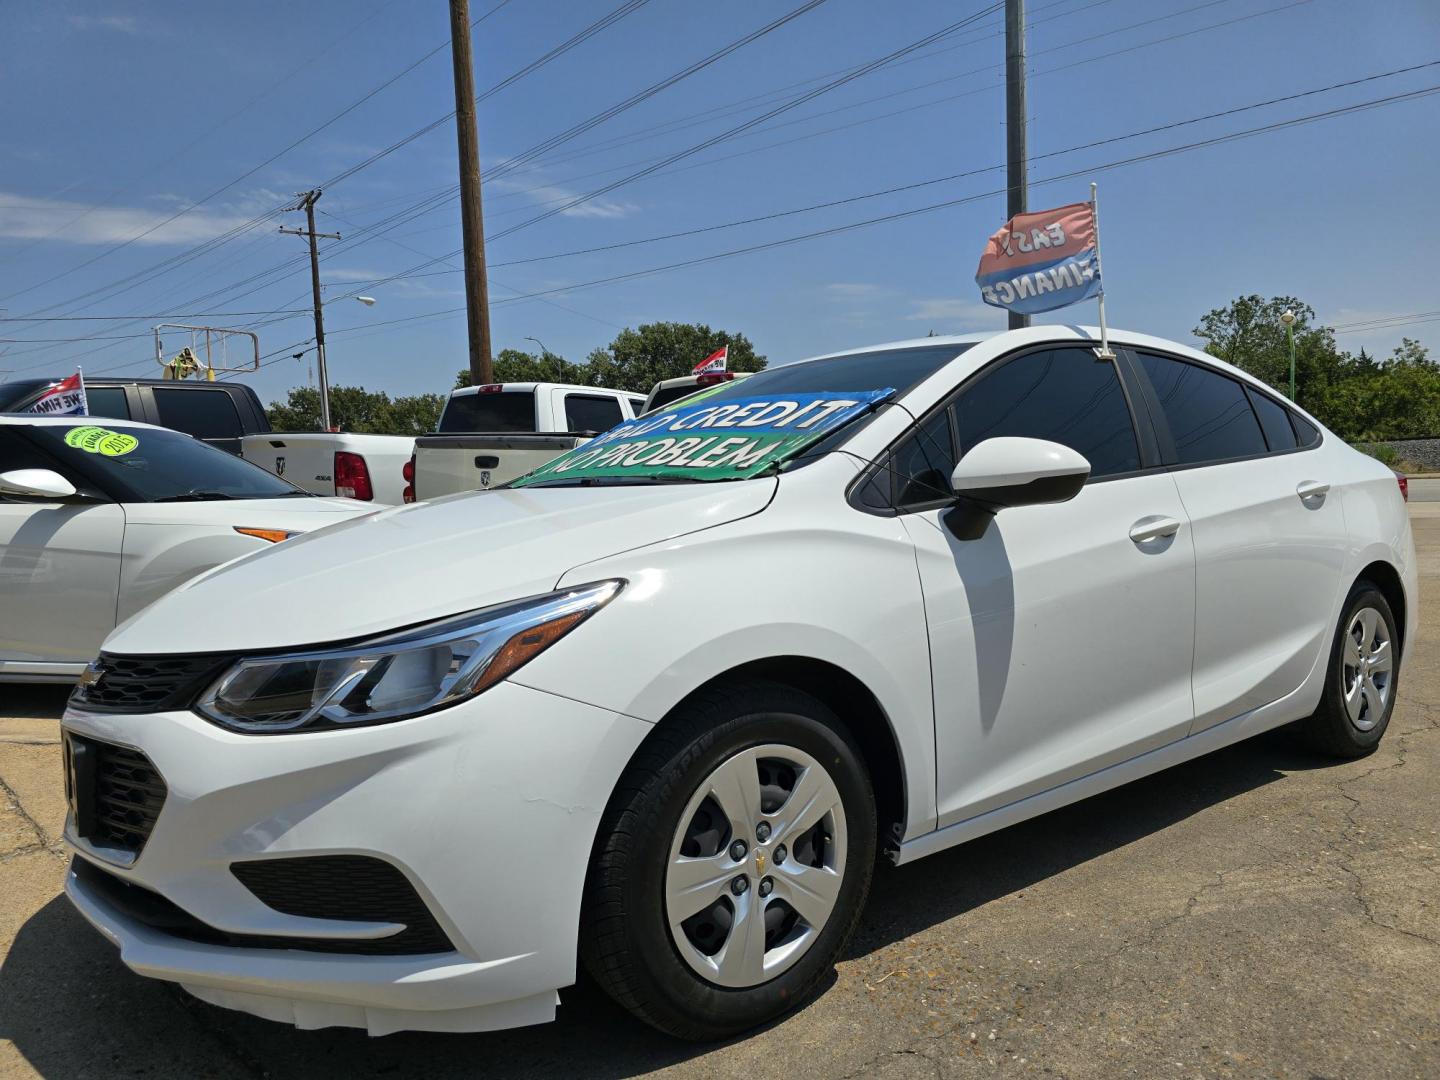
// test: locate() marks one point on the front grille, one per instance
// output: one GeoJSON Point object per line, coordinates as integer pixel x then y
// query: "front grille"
{"type": "Point", "coordinates": [348, 887]}
{"type": "Point", "coordinates": [155, 911]}
{"type": "Point", "coordinates": [115, 793]}
{"type": "Point", "coordinates": [136, 684]}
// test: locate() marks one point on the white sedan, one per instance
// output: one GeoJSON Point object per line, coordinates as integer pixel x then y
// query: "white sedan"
{"type": "Point", "coordinates": [98, 517]}
{"type": "Point", "coordinates": [659, 706]}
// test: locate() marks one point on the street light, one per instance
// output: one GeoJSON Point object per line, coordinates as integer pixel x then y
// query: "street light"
{"type": "Point", "coordinates": [1287, 320]}
{"type": "Point", "coordinates": [544, 352]}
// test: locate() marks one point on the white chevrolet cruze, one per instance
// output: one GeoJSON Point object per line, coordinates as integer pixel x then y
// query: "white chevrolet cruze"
{"type": "Point", "coordinates": [661, 718]}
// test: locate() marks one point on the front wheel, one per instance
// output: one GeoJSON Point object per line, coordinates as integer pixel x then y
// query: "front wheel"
{"type": "Point", "coordinates": [732, 864]}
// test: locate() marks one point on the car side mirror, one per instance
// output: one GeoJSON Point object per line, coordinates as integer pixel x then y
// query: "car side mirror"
{"type": "Point", "coordinates": [1011, 471]}
{"type": "Point", "coordinates": [36, 484]}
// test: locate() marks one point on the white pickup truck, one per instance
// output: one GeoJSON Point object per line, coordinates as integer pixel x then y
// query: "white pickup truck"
{"type": "Point", "coordinates": [489, 435]}
{"type": "Point", "coordinates": [371, 468]}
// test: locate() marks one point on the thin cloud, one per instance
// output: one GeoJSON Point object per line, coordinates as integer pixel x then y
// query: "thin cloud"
{"type": "Point", "coordinates": [854, 290]}
{"type": "Point", "coordinates": [120, 24]}
{"type": "Point", "coordinates": [953, 310]}
{"type": "Point", "coordinates": [554, 194]}
{"type": "Point", "coordinates": [26, 218]}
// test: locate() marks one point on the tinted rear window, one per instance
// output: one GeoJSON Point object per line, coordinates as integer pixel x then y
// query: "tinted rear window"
{"type": "Point", "coordinates": [589, 412]}
{"type": "Point", "coordinates": [107, 401]}
{"type": "Point", "coordinates": [206, 414]}
{"type": "Point", "coordinates": [512, 410]}
{"type": "Point", "coordinates": [1209, 414]}
{"type": "Point", "coordinates": [1274, 421]}
{"type": "Point", "coordinates": [672, 393]}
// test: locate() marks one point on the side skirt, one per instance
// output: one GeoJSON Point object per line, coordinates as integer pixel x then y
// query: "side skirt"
{"type": "Point", "coordinates": [1276, 714]}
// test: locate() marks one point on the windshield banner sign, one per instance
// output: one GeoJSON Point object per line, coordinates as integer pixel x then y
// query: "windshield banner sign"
{"type": "Point", "coordinates": [730, 440]}
{"type": "Point", "coordinates": [1041, 261]}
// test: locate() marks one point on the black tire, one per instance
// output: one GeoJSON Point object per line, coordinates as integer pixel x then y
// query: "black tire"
{"type": "Point", "coordinates": [625, 939]}
{"type": "Point", "coordinates": [1330, 730]}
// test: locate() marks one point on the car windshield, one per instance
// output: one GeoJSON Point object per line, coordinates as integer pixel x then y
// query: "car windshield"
{"type": "Point", "coordinates": [157, 465]}
{"type": "Point", "coordinates": [758, 423]}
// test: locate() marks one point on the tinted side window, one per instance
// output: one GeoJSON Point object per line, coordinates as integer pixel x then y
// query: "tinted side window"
{"type": "Point", "coordinates": [107, 401]}
{"type": "Point", "coordinates": [1209, 415]}
{"type": "Point", "coordinates": [1064, 395]}
{"type": "Point", "coordinates": [205, 414]}
{"type": "Point", "coordinates": [586, 413]}
{"type": "Point", "coordinates": [1274, 421]}
{"type": "Point", "coordinates": [920, 468]}
{"type": "Point", "coordinates": [1306, 433]}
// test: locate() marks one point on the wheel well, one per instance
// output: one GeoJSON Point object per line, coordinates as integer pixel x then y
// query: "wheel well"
{"type": "Point", "coordinates": [1385, 578]}
{"type": "Point", "coordinates": [851, 700]}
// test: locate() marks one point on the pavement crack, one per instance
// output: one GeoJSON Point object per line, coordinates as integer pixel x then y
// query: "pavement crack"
{"type": "Point", "coordinates": [14, 799]}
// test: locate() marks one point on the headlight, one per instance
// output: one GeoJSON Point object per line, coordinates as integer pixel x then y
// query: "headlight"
{"type": "Point", "coordinates": [402, 674]}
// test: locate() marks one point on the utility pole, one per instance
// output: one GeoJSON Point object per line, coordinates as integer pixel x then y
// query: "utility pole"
{"type": "Point", "coordinates": [307, 203]}
{"type": "Point", "coordinates": [472, 219]}
{"type": "Point", "coordinates": [1016, 178]}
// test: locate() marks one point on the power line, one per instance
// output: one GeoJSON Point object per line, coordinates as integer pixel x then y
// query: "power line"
{"type": "Point", "coordinates": [245, 175]}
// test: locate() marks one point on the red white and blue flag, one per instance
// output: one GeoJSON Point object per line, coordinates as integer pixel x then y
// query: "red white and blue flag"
{"type": "Point", "coordinates": [716, 361]}
{"type": "Point", "coordinates": [65, 398]}
{"type": "Point", "coordinates": [1042, 261]}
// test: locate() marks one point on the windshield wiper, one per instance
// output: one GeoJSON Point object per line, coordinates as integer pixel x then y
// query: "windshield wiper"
{"type": "Point", "coordinates": [197, 495]}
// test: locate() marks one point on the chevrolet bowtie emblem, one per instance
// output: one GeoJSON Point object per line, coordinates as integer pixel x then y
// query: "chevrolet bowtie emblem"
{"type": "Point", "coordinates": [759, 861]}
{"type": "Point", "coordinates": [92, 674]}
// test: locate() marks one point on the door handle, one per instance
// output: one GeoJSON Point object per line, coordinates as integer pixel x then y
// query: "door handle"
{"type": "Point", "coordinates": [1153, 528]}
{"type": "Point", "coordinates": [1311, 489]}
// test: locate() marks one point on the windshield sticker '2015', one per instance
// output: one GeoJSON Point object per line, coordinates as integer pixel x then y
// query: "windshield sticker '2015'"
{"type": "Point", "coordinates": [99, 440]}
{"type": "Point", "coordinates": [707, 440]}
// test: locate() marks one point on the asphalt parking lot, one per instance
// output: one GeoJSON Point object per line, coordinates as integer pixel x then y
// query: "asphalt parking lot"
{"type": "Point", "coordinates": [1259, 912]}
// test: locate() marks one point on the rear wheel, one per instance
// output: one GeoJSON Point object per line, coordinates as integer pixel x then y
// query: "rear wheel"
{"type": "Point", "coordinates": [1360, 688]}
{"type": "Point", "coordinates": [732, 864]}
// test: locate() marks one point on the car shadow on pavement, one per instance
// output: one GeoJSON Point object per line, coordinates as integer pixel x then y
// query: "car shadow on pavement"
{"type": "Point", "coordinates": [70, 1007]}
{"type": "Point", "coordinates": [39, 702]}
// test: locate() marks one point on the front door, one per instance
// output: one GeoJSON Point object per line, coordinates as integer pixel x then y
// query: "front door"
{"type": "Point", "coordinates": [59, 572]}
{"type": "Point", "coordinates": [1060, 641]}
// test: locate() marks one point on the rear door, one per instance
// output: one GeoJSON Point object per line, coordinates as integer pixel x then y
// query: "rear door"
{"type": "Point", "coordinates": [206, 413]}
{"type": "Point", "coordinates": [59, 570]}
{"type": "Point", "coordinates": [1269, 539]}
{"type": "Point", "coordinates": [1060, 640]}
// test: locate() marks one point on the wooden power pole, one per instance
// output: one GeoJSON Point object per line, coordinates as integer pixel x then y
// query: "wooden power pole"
{"type": "Point", "coordinates": [1016, 172]}
{"type": "Point", "coordinates": [472, 220]}
{"type": "Point", "coordinates": [307, 203]}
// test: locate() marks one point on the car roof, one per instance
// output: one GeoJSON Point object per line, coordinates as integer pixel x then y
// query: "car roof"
{"type": "Point", "coordinates": [36, 420]}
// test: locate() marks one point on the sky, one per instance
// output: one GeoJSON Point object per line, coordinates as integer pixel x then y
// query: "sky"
{"type": "Point", "coordinates": [149, 149]}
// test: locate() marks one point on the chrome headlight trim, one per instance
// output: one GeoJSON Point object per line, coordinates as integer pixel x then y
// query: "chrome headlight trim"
{"type": "Point", "coordinates": [400, 674]}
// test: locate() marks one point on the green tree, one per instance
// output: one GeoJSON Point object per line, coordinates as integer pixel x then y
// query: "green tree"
{"type": "Point", "coordinates": [1399, 399]}
{"type": "Point", "coordinates": [637, 359]}
{"type": "Point", "coordinates": [353, 408]}
{"type": "Point", "coordinates": [1249, 334]}
{"type": "Point", "coordinates": [515, 365]}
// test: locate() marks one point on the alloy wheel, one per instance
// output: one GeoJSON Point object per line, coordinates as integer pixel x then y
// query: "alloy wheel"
{"type": "Point", "coordinates": [756, 865]}
{"type": "Point", "coordinates": [1366, 665]}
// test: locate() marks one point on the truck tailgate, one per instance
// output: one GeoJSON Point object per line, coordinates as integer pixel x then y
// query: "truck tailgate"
{"type": "Point", "coordinates": [446, 464]}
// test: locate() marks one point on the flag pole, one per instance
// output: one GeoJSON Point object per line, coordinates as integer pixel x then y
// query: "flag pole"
{"type": "Point", "coordinates": [1104, 352]}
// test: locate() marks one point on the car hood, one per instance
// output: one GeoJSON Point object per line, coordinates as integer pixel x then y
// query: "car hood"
{"type": "Point", "coordinates": [296, 515]}
{"type": "Point", "coordinates": [412, 564]}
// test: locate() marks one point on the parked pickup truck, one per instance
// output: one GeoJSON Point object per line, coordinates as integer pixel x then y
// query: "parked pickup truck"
{"type": "Point", "coordinates": [220, 414]}
{"type": "Point", "coordinates": [370, 468]}
{"type": "Point", "coordinates": [489, 435]}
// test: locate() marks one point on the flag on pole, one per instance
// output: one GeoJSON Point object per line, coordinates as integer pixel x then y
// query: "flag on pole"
{"type": "Point", "coordinates": [716, 361]}
{"type": "Point", "coordinates": [1042, 261]}
{"type": "Point", "coordinates": [65, 398]}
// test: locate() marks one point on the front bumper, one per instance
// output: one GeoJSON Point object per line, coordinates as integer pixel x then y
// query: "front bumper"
{"type": "Point", "coordinates": [489, 808]}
